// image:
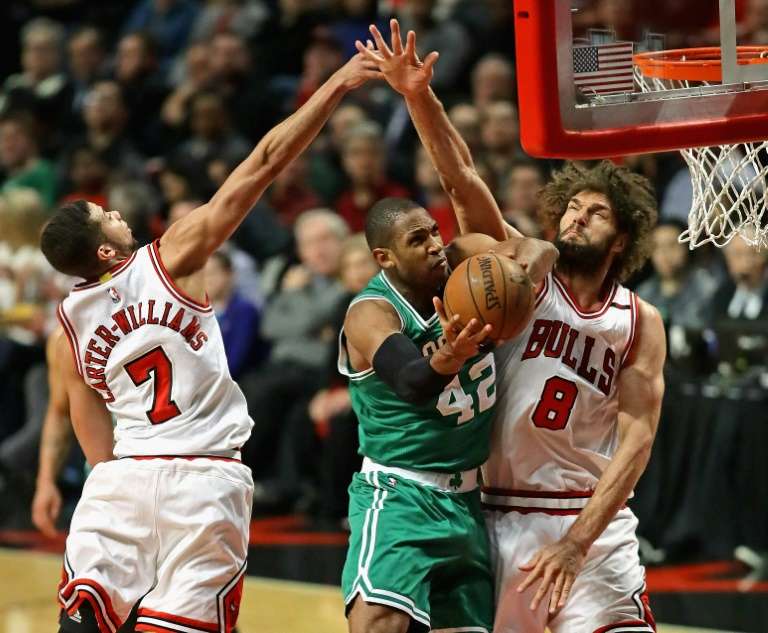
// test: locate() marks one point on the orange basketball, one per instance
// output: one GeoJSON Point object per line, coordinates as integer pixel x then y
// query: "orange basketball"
{"type": "Point", "coordinates": [493, 289]}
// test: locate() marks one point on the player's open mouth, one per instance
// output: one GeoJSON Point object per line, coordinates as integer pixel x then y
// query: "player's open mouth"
{"type": "Point", "coordinates": [440, 262]}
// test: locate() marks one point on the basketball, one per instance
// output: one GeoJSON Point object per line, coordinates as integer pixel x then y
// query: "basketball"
{"type": "Point", "coordinates": [493, 289]}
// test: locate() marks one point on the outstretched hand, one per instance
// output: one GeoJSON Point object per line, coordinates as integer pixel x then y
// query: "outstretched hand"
{"type": "Point", "coordinates": [358, 70]}
{"type": "Point", "coordinates": [556, 566]}
{"type": "Point", "coordinates": [401, 66]}
{"type": "Point", "coordinates": [461, 343]}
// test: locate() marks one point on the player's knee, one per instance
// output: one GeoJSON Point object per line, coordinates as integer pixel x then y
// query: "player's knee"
{"type": "Point", "coordinates": [374, 618]}
{"type": "Point", "coordinates": [81, 621]}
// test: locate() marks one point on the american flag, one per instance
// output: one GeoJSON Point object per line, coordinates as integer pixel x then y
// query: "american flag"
{"type": "Point", "coordinates": [603, 68]}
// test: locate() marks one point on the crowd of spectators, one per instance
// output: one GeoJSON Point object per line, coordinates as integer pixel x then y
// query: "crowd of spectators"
{"type": "Point", "coordinates": [146, 107]}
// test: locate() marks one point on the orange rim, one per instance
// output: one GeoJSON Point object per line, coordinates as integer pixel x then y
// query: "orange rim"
{"type": "Point", "coordinates": [694, 64]}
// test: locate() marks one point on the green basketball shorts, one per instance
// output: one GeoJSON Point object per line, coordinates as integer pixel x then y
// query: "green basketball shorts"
{"type": "Point", "coordinates": [420, 549]}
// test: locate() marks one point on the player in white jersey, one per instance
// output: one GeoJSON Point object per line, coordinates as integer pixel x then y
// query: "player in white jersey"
{"type": "Point", "coordinates": [580, 390]}
{"type": "Point", "coordinates": [165, 525]}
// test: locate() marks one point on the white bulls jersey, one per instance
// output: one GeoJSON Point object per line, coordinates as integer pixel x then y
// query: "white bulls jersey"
{"type": "Point", "coordinates": [557, 405]}
{"type": "Point", "coordinates": [157, 358]}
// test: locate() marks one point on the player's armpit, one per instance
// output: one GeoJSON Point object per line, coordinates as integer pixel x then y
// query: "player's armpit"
{"type": "Point", "coordinates": [91, 420]}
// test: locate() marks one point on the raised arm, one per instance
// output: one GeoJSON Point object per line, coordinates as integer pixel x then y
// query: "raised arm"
{"type": "Point", "coordinates": [188, 243]}
{"type": "Point", "coordinates": [474, 205]}
{"type": "Point", "coordinates": [91, 420]}
{"type": "Point", "coordinates": [641, 388]}
{"type": "Point", "coordinates": [374, 339]}
{"type": "Point", "coordinates": [55, 440]}
{"type": "Point", "coordinates": [537, 257]}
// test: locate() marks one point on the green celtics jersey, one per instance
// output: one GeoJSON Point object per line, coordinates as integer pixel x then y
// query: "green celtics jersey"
{"type": "Point", "coordinates": [449, 433]}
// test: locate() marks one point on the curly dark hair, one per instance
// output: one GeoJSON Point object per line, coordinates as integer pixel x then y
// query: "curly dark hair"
{"type": "Point", "coordinates": [631, 196]}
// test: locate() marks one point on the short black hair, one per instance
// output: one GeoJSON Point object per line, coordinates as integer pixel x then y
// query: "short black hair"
{"type": "Point", "coordinates": [70, 240]}
{"type": "Point", "coordinates": [382, 217]}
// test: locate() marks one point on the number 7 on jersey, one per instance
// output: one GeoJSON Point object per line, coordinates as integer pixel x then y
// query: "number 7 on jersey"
{"type": "Point", "coordinates": [155, 364]}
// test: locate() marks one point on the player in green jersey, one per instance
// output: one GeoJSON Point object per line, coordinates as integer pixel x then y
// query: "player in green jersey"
{"type": "Point", "coordinates": [423, 390]}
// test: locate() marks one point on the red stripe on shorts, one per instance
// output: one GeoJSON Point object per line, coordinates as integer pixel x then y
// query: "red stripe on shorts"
{"type": "Point", "coordinates": [176, 619]}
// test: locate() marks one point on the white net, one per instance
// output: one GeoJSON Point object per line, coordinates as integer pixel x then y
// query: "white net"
{"type": "Point", "coordinates": [730, 192]}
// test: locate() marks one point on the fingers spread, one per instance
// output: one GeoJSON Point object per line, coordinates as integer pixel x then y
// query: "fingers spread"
{"type": "Point", "coordinates": [410, 48]}
{"type": "Point", "coordinates": [380, 43]}
{"type": "Point", "coordinates": [397, 42]}
{"type": "Point", "coordinates": [367, 52]}
{"type": "Point", "coordinates": [430, 60]}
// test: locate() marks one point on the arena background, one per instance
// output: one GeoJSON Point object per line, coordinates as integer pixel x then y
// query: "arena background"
{"type": "Point", "coordinates": [146, 106]}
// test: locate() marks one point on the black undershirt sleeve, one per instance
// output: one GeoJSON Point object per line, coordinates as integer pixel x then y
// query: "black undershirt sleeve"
{"type": "Point", "coordinates": [401, 366]}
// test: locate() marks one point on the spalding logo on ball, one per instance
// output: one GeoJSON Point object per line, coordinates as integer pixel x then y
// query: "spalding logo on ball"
{"type": "Point", "coordinates": [492, 289]}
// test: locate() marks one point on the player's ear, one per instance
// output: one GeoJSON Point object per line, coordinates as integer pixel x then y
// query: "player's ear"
{"type": "Point", "coordinates": [384, 257]}
{"type": "Point", "coordinates": [106, 252]}
{"type": "Point", "coordinates": [620, 243]}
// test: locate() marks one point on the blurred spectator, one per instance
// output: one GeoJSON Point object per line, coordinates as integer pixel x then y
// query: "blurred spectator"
{"type": "Point", "coordinates": [243, 17]}
{"type": "Point", "coordinates": [138, 204]}
{"type": "Point", "coordinates": [322, 58]}
{"type": "Point", "coordinates": [87, 60]}
{"type": "Point", "coordinates": [433, 197]}
{"type": "Point", "coordinates": [41, 87]}
{"type": "Point", "coordinates": [235, 76]}
{"type": "Point", "coordinates": [466, 119]}
{"type": "Point", "coordinates": [493, 79]}
{"type": "Point", "coordinates": [212, 138]}
{"type": "Point", "coordinates": [195, 75]}
{"type": "Point", "coordinates": [290, 193]}
{"type": "Point", "coordinates": [326, 172]}
{"type": "Point", "coordinates": [364, 162]}
{"type": "Point", "coordinates": [285, 36]}
{"type": "Point", "coordinates": [446, 36]}
{"type": "Point", "coordinates": [87, 177]}
{"type": "Point", "coordinates": [500, 135]}
{"type": "Point", "coordinates": [744, 295]}
{"type": "Point", "coordinates": [682, 293]}
{"type": "Point", "coordinates": [298, 323]}
{"type": "Point", "coordinates": [177, 184]}
{"type": "Point", "coordinates": [168, 21]}
{"type": "Point", "coordinates": [20, 159]}
{"type": "Point", "coordinates": [520, 195]}
{"type": "Point", "coordinates": [351, 22]}
{"type": "Point", "coordinates": [25, 305]}
{"type": "Point", "coordinates": [491, 23]}
{"type": "Point", "coordinates": [332, 447]}
{"type": "Point", "coordinates": [237, 317]}
{"type": "Point", "coordinates": [754, 26]}
{"type": "Point", "coordinates": [136, 70]}
{"type": "Point", "coordinates": [106, 119]}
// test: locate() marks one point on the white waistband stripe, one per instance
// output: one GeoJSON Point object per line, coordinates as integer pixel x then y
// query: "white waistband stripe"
{"type": "Point", "coordinates": [449, 482]}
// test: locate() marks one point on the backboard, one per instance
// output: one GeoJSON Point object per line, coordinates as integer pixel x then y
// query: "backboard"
{"type": "Point", "coordinates": [578, 95]}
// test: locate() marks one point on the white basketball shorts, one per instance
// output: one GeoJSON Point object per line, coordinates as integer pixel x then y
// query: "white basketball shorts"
{"type": "Point", "coordinates": [608, 595]}
{"type": "Point", "coordinates": [171, 533]}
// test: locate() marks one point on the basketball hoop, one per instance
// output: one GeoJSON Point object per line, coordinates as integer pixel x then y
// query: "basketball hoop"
{"type": "Point", "coordinates": [730, 191]}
